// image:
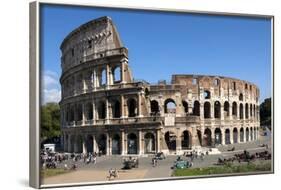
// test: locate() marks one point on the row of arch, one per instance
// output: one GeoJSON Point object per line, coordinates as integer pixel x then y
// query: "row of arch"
{"type": "Point", "coordinates": [106, 75]}
{"type": "Point", "coordinates": [90, 112]}
{"type": "Point", "coordinates": [170, 105]}
{"type": "Point", "coordinates": [113, 145]}
{"type": "Point", "coordinates": [206, 138]}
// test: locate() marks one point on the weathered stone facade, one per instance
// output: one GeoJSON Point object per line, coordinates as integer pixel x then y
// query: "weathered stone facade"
{"type": "Point", "coordinates": [104, 109]}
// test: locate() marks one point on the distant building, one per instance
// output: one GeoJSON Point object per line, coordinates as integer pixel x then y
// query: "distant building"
{"type": "Point", "coordinates": [104, 110]}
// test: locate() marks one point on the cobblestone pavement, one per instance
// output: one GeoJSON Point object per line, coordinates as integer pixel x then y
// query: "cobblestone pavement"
{"type": "Point", "coordinates": [99, 171]}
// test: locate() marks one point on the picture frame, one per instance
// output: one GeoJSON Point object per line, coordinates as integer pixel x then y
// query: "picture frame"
{"type": "Point", "coordinates": [36, 91]}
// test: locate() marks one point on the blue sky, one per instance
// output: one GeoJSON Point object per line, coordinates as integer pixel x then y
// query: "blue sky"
{"type": "Point", "coordinates": [161, 44]}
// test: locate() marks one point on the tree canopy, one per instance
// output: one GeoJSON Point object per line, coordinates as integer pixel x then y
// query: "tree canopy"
{"type": "Point", "coordinates": [265, 112]}
{"type": "Point", "coordinates": [50, 121]}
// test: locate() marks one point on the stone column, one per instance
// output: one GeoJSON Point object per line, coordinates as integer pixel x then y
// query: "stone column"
{"type": "Point", "coordinates": [139, 105]}
{"type": "Point", "coordinates": [238, 135]}
{"type": "Point", "coordinates": [84, 145]}
{"type": "Point", "coordinates": [122, 106]}
{"type": "Point", "coordinates": [245, 133]}
{"type": "Point", "coordinates": [194, 137]}
{"type": "Point", "coordinates": [231, 135]}
{"type": "Point", "coordinates": [106, 111]}
{"type": "Point", "coordinates": [212, 109]}
{"type": "Point", "coordinates": [123, 151]}
{"type": "Point", "coordinates": [83, 114]}
{"type": "Point", "coordinates": [107, 75]}
{"type": "Point", "coordinates": [109, 140]}
{"type": "Point", "coordinates": [222, 136]}
{"type": "Point", "coordinates": [238, 111]}
{"type": "Point", "coordinates": [178, 142]}
{"type": "Point", "coordinates": [107, 144]}
{"type": "Point", "coordinates": [158, 137]}
{"type": "Point", "coordinates": [222, 111]}
{"type": "Point", "coordinates": [94, 112]}
{"type": "Point", "coordinates": [230, 111]}
{"type": "Point", "coordinates": [94, 144]}
{"type": "Point", "coordinates": [83, 82]}
{"type": "Point", "coordinates": [122, 68]}
{"type": "Point", "coordinates": [201, 111]}
{"type": "Point", "coordinates": [140, 143]}
{"type": "Point", "coordinates": [95, 80]}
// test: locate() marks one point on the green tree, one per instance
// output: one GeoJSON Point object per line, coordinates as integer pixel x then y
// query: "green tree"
{"type": "Point", "coordinates": [265, 112]}
{"type": "Point", "coordinates": [50, 121]}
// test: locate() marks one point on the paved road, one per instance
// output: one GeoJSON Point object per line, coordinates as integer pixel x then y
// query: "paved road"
{"type": "Point", "coordinates": [146, 170]}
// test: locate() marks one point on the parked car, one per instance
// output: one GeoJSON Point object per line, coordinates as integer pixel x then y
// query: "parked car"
{"type": "Point", "coordinates": [181, 164]}
{"type": "Point", "coordinates": [130, 163]}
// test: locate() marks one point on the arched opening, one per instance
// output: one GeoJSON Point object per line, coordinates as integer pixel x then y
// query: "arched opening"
{"type": "Point", "coordinates": [218, 136]}
{"type": "Point", "coordinates": [116, 109]}
{"type": "Point", "coordinates": [72, 144]}
{"type": "Point", "coordinates": [240, 97]}
{"type": "Point", "coordinates": [79, 112]}
{"type": "Point", "coordinates": [116, 75]}
{"type": "Point", "coordinates": [154, 107]}
{"type": "Point", "coordinates": [247, 134]}
{"type": "Point", "coordinates": [79, 144]}
{"type": "Point", "coordinates": [185, 106]}
{"type": "Point", "coordinates": [226, 109]}
{"type": "Point", "coordinates": [72, 113]}
{"type": "Point", "coordinates": [149, 143]}
{"type": "Point", "coordinates": [102, 143]}
{"type": "Point", "coordinates": [116, 144]}
{"type": "Point", "coordinates": [227, 136]}
{"type": "Point", "coordinates": [102, 110]}
{"type": "Point", "coordinates": [146, 92]}
{"type": "Point", "coordinates": [196, 108]}
{"type": "Point", "coordinates": [234, 109]}
{"type": "Point", "coordinates": [254, 112]}
{"type": "Point", "coordinates": [241, 111]}
{"type": "Point", "coordinates": [170, 106]}
{"type": "Point", "coordinates": [89, 144]}
{"type": "Point", "coordinates": [207, 110]}
{"type": "Point", "coordinates": [207, 94]}
{"type": "Point", "coordinates": [235, 135]}
{"type": "Point", "coordinates": [89, 111]}
{"type": "Point", "coordinates": [216, 82]}
{"type": "Point", "coordinates": [132, 144]}
{"type": "Point", "coordinates": [186, 140]}
{"type": "Point", "coordinates": [170, 139]}
{"type": "Point", "coordinates": [199, 136]}
{"type": "Point", "coordinates": [208, 137]}
{"type": "Point", "coordinates": [247, 111]}
{"type": "Point", "coordinates": [255, 133]}
{"type": "Point", "coordinates": [103, 78]}
{"type": "Point", "coordinates": [217, 109]}
{"type": "Point", "coordinates": [251, 110]}
{"type": "Point", "coordinates": [242, 134]}
{"type": "Point", "coordinates": [132, 107]}
{"type": "Point", "coordinates": [79, 83]}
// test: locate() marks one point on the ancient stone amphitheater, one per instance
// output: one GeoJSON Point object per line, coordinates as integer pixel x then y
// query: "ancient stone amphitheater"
{"type": "Point", "coordinates": [103, 109]}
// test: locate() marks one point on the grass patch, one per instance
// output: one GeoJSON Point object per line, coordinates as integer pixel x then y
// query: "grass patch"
{"type": "Point", "coordinates": [52, 172]}
{"type": "Point", "coordinates": [227, 169]}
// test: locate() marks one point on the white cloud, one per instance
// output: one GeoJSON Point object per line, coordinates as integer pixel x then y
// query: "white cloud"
{"type": "Point", "coordinates": [50, 89]}
{"type": "Point", "coordinates": [52, 95]}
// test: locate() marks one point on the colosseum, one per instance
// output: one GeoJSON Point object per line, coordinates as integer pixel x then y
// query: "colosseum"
{"type": "Point", "coordinates": [103, 109]}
